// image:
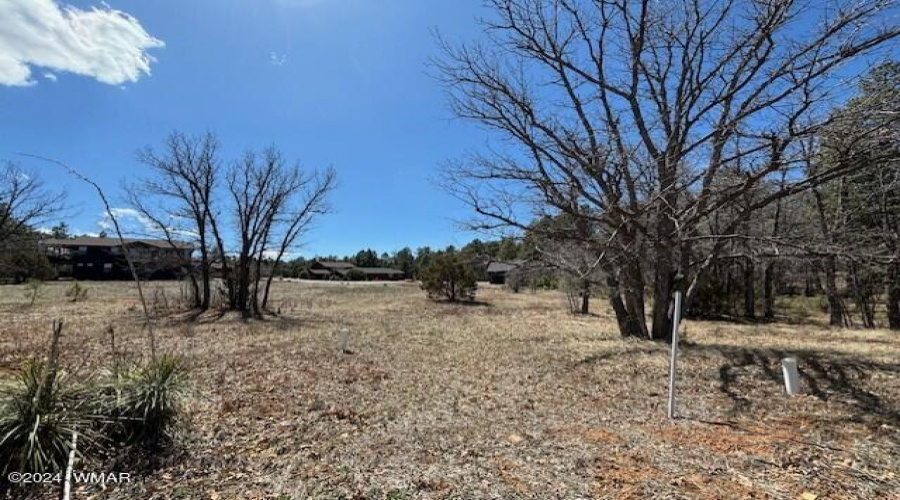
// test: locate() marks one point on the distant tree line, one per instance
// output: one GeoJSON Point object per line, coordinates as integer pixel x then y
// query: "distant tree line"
{"type": "Point", "coordinates": [477, 254]}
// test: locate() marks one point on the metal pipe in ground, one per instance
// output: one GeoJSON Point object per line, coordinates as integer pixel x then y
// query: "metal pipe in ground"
{"type": "Point", "coordinates": [676, 319]}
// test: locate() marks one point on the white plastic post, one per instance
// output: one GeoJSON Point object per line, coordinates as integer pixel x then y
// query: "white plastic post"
{"type": "Point", "coordinates": [676, 319]}
{"type": "Point", "coordinates": [791, 376]}
{"type": "Point", "coordinates": [67, 486]}
{"type": "Point", "coordinates": [344, 340]}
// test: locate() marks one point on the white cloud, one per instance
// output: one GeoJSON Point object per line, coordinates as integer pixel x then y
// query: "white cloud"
{"type": "Point", "coordinates": [277, 59]}
{"type": "Point", "coordinates": [127, 218]}
{"type": "Point", "coordinates": [135, 224]}
{"type": "Point", "coordinates": [102, 43]}
{"type": "Point", "coordinates": [50, 76]}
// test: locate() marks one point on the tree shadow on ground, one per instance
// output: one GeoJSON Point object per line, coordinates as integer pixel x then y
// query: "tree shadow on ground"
{"type": "Point", "coordinates": [289, 322]}
{"type": "Point", "coordinates": [197, 316]}
{"type": "Point", "coordinates": [827, 377]}
{"type": "Point", "coordinates": [467, 303]}
{"type": "Point", "coordinates": [600, 357]}
{"type": "Point", "coordinates": [839, 379]}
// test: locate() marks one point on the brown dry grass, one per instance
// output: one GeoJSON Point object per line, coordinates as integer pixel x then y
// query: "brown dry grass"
{"type": "Point", "coordinates": [513, 399]}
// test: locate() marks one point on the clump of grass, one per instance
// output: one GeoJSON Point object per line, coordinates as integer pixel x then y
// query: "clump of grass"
{"type": "Point", "coordinates": [148, 401]}
{"type": "Point", "coordinates": [40, 410]}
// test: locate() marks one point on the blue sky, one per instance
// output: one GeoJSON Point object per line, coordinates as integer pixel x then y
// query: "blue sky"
{"type": "Point", "coordinates": [330, 82]}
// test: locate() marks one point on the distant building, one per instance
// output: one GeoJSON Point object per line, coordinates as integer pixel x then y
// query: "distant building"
{"type": "Point", "coordinates": [91, 258]}
{"type": "Point", "coordinates": [330, 270]}
{"type": "Point", "coordinates": [497, 271]}
{"type": "Point", "coordinates": [381, 273]}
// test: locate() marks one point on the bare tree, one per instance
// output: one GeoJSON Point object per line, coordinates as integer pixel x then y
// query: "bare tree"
{"type": "Point", "coordinates": [648, 118]}
{"type": "Point", "coordinates": [179, 199]}
{"type": "Point", "coordinates": [191, 195]}
{"type": "Point", "coordinates": [148, 317]}
{"type": "Point", "coordinates": [270, 216]}
{"type": "Point", "coordinates": [308, 201]}
{"type": "Point", "coordinates": [24, 200]}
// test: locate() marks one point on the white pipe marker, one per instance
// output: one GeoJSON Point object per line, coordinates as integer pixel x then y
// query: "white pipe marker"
{"type": "Point", "coordinates": [791, 376]}
{"type": "Point", "coordinates": [676, 318]}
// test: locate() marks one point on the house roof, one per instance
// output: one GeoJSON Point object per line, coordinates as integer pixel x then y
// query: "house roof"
{"type": "Point", "coordinates": [502, 267]}
{"type": "Point", "coordinates": [379, 270]}
{"type": "Point", "coordinates": [86, 241]}
{"type": "Point", "coordinates": [334, 265]}
{"type": "Point", "coordinates": [320, 272]}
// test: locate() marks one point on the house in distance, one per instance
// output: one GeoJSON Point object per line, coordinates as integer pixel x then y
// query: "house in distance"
{"type": "Point", "coordinates": [89, 258]}
{"type": "Point", "coordinates": [497, 271]}
{"type": "Point", "coordinates": [330, 270]}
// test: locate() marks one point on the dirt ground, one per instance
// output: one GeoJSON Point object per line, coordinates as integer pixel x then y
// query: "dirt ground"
{"type": "Point", "coordinates": [510, 398]}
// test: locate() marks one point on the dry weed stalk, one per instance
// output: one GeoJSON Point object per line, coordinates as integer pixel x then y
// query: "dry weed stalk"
{"type": "Point", "coordinates": [148, 318]}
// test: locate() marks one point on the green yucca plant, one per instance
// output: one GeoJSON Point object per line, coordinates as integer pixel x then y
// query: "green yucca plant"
{"type": "Point", "coordinates": [39, 412]}
{"type": "Point", "coordinates": [148, 400]}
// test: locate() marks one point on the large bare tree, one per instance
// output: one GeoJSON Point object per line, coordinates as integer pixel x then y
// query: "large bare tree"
{"type": "Point", "coordinates": [645, 119]}
{"type": "Point", "coordinates": [274, 203]}
{"type": "Point", "coordinates": [178, 199]}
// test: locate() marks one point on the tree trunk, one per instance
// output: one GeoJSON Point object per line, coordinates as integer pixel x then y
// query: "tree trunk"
{"type": "Point", "coordinates": [242, 294]}
{"type": "Point", "coordinates": [663, 290]}
{"type": "Point", "coordinates": [195, 290]}
{"type": "Point", "coordinates": [749, 289]}
{"type": "Point", "coordinates": [893, 295]}
{"type": "Point", "coordinates": [835, 307]}
{"type": "Point", "coordinates": [621, 301]}
{"type": "Point", "coordinates": [769, 291]}
{"type": "Point", "coordinates": [585, 298]}
{"type": "Point", "coordinates": [265, 299]}
{"type": "Point", "coordinates": [862, 296]}
{"type": "Point", "coordinates": [807, 285]}
{"type": "Point", "coordinates": [205, 279]}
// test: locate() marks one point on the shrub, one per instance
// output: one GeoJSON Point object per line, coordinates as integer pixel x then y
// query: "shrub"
{"type": "Point", "coordinates": [355, 275]}
{"type": "Point", "coordinates": [39, 411]}
{"type": "Point", "coordinates": [77, 292]}
{"type": "Point", "coordinates": [515, 278]}
{"type": "Point", "coordinates": [148, 401]}
{"type": "Point", "coordinates": [448, 277]}
{"type": "Point", "coordinates": [34, 290]}
{"type": "Point", "coordinates": [21, 260]}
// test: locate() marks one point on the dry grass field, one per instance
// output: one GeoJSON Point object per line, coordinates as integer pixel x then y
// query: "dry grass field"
{"type": "Point", "coordinates": [513, 398]}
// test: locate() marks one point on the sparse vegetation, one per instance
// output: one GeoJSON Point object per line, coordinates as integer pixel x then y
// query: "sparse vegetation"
{"type": "Point", "coordinates": [34, 289]}
{"type": "Point", "coordinates": [521, 394]}
{"type": "Point", "coordinates": [721, 174]}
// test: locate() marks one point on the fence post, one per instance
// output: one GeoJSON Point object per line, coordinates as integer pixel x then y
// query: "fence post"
{"type": "Point", "coordinates": [676, 319]}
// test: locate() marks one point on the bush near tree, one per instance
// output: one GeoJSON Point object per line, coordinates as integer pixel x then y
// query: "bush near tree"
{"type": "Point", "coordinates": [355, 275]}
{"type": "Point", "coordinates": [449, 277]}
